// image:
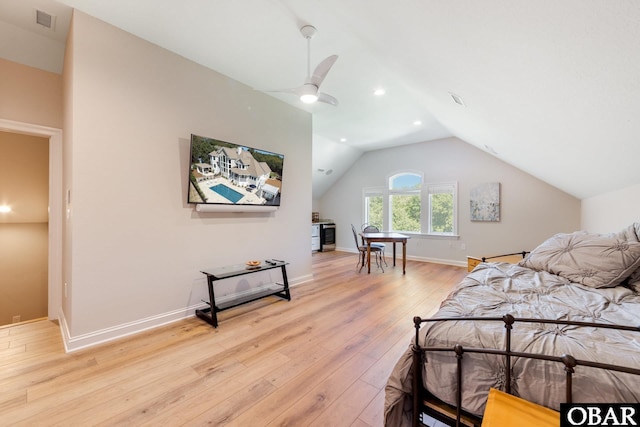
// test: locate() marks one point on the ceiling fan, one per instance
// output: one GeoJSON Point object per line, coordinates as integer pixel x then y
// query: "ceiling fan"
{"type": "Point", "coordinates": [309, 91]}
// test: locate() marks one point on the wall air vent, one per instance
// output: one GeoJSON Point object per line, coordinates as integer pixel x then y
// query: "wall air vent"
{"type": "Point", "coordinates": [46, 20]}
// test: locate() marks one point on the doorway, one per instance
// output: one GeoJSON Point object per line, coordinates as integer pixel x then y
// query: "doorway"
{"type": "Point", "coordinates": [24, 221]}
{"type": "Point", "coordinates": [32, 239]}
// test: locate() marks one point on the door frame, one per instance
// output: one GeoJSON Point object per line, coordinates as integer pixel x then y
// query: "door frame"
{"type": "Point", "coordinates": [56, 197]}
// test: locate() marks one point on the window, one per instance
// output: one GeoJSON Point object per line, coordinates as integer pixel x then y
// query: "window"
{"type": "Point", "coordinates": [405, 195]}
{"type": "Point", "coordinates": [408, 205]}
{"type": "Point", "coordinates": [442, 208]}
{"type": "Point", "coordinates": [373, 202]}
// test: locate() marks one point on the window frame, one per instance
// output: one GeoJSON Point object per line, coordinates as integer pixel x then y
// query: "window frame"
{"type": "Point", "coordinates": [450, 187]}
{"type": "Point", "coordinates": [427, 188]}
{"type": "Point", "coordinates": [411, 192]}
{"type": "Point", "coordinates": [373, 192]}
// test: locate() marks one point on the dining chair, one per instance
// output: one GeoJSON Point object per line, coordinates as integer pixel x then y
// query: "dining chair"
{"type": "Point", "coordinates": [373, 229]}
{"type": "Point", "coordinates": [362, 249]}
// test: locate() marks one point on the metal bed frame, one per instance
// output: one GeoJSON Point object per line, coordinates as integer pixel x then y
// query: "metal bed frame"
{"type": "Point", "coordinates": [423, 401]}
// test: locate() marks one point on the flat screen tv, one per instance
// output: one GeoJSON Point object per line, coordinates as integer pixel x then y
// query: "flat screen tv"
{"type": "Point", "coordinates": [226, 174]}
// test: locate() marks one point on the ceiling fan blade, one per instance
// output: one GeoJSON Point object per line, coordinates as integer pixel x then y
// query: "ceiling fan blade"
{"type": "Point", "coordinates": [295, 90]}
{"type": "Point", "coordinates": [322, 69]}
{"type": "Point", "coordinates": [327, 99]}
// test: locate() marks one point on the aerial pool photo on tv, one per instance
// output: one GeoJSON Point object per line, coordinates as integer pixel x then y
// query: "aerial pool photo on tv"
{"type": "Point", "coordinates": [230, 174]}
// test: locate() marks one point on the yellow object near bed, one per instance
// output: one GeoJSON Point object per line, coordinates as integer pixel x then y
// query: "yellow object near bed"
{"type": "Point", "coordinates": [507, 410]}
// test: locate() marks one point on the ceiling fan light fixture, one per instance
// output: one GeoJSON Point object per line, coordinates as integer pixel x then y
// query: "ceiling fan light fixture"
{"type": "Point", "coordinates": [308, 98]}
{"type": "Point", "coordinates": [309, 93]}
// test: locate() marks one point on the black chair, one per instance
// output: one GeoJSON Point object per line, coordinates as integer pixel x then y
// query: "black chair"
{"type": "Point", "coordinates": [373, 229]}
{"type": "Point", "coordinates": [362, 249]}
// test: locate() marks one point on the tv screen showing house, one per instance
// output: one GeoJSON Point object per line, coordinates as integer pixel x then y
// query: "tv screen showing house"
{"type": "Point", "coordinates": [223, 173]}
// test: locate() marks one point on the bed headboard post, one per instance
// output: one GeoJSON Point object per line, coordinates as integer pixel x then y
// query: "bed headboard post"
{"type": "Point", "coordinates": [417, 373]}
{"type": "Point", "coordinates": [417, 321]}
{"type": "Point", "coordinates": [569, 363]}
{"type": "Point", "coordinates": [508, 320]}
{"type": "Point", "coordinates": [459, 351]}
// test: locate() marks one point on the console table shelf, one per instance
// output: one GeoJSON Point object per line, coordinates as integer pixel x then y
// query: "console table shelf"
{"type": "Point", "coordinates": [215, 274]}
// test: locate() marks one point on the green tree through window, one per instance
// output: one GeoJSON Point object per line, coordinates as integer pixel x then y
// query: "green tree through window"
{"type": "Point", "coordinates": [441, 213]}
{"type": "Point", "coordinates": [442, 208]}
{"type": "Point", "coordinates": [409, 205]}
{"type": "Point", "coordinates": [373, 210]}
{"type": "Point", "coordinates": [405, 202]}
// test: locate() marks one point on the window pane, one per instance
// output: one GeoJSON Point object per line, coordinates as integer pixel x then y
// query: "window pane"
{"type": "Point", "coordinates": [373, 211]}
{"type": "Point", "coordinates": [441, 212]}
{"type": "Point", "coordinates": [405, 213]}
{"type": "Point", "coordinates": [406, 182]}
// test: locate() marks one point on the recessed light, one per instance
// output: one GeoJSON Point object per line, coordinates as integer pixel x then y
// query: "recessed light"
{"type": "Point", "coordinates": [343, 139]}
{"type": "Point", "coordinates": [5, 208]}
{"type": "Point", "coordinates": [379, 92]}
{"type": "Point", "coordinates": [417, 123]}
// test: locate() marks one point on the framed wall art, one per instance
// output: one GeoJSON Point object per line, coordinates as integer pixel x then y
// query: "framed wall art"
{"type": "Point", "coordinates": [485, 202]}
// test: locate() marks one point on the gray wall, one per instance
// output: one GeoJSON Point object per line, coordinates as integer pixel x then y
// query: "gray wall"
{"type": "Point", "coordinates": [134, 248]}
{"type": "Point", "coordinates": [612, 211]}
{"type": "Point", "coordinates": [531, 210]}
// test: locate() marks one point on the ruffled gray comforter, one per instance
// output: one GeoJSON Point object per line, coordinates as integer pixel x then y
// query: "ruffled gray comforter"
{"type": "Point", "coordinates": [495, 289]}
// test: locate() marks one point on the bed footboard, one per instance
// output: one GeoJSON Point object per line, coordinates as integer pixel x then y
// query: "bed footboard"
{"type": "Point", "coordinates": [424, 401]}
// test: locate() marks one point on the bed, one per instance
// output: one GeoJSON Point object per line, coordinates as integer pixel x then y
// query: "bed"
{"type": "Point", "coordinates": [577, 280]}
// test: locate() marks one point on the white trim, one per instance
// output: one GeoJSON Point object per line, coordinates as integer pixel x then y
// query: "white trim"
{"type": "Point", "coordinates": [450, 187]}
{"type": "Point", "coordinates": [404, 172]}
{"type": "Point", "coordinates": [79, 342]}
{"type": "Point", "coordinates": [373, 192]}
{"type": "Point", "coordinates": [415, 258]}
{"type": "Point", "coordinates": [55, 206]}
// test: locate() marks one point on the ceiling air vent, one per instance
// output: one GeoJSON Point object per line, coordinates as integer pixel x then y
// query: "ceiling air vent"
{"type": "Point", "coordinates": [457, 99]}
{"type": "Point", "coordinates": [46, 20]}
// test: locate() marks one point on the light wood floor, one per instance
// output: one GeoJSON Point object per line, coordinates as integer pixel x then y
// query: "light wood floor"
{"type": "Point", "coordinates": [321, 359]}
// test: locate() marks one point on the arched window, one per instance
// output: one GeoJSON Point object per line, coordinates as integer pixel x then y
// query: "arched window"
{"type": "Point", "coordinates": [409, 205]}
{"type": "Point", "coordinates": [405, 202]}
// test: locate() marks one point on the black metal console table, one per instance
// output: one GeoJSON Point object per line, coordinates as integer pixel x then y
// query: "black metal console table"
{"type": "Point", "coordinates": [281, 290]}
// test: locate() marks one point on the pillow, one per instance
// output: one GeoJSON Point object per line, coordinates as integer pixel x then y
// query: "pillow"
{"type": "Point", "coordinates": [594, 260]}
{"type": "Point", "coordinates": [632, 233]}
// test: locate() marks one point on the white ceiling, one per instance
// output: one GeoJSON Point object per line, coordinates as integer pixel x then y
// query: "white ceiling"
{"type": "Point", "coordinates": [551, 87]}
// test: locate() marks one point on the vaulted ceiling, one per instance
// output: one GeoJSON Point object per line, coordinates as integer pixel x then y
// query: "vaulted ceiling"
{"type": "Point", "coordinates": [551, 87]}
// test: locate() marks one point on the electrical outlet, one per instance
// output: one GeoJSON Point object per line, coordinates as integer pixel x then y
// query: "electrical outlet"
{"type": "Point", "coordinates": [16, 319]}
{"type": "Point", "coordinates": [463, 246]}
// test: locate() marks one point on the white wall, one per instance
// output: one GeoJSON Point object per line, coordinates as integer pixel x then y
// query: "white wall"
{"type": "Point", "coordinates": [32, 96]}
{"type": "Point", "coordinates": [134, 247]}
{"type": "Point", "coordinates": [331, 160]}
{"type": "Point", "coordinates": [531, 210]}
{"type": "Point", "coordinates": [611, 212]}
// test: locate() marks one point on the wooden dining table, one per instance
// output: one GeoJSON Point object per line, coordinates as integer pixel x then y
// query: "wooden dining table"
{"type": "Point", "coordinates": [386, 236]}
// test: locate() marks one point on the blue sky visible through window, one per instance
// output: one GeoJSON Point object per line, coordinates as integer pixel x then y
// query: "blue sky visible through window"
{"type": "Point", "coordinates": [405, 182]}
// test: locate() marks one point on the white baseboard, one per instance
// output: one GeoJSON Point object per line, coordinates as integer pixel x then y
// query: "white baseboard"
{"type": "Point", "coordinates": [79, 342]}
{"type": "Point", "coordinates": [415, 258]}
